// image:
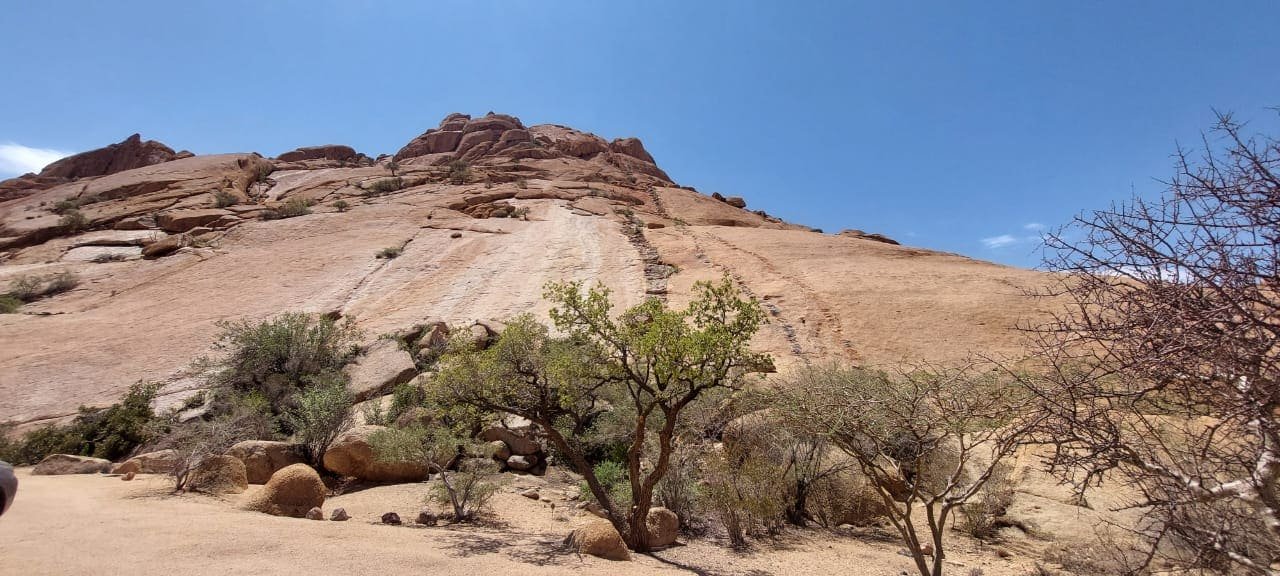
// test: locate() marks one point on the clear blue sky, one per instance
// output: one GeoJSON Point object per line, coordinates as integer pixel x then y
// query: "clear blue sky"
{"type": "Point", "coordinates": [938, 123]}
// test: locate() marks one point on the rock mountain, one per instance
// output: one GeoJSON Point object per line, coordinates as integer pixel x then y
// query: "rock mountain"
{"type": "Point", "coordinates": [485, 210]}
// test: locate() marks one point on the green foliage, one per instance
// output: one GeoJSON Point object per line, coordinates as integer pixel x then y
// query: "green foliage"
{"type": "Point", "coordinates": [747, 491]}
{"type": "Point", "coordinates": [321, 413]}
{"type": "Point", "coordinates": [390, 252]}
{"type": "Point", "coordinates": [341, 205]}
{"type": "Point", "coordinates": [72, 204]}
{"type": "Point", "coordinates": [651, 362]}
{"type": "Point", "coordinates": [459, 172]}
{"type": "Point", "coordinates": [613, 477]}
{"type": "Point", "coordinates": [276, 356]}
{"type": "Point", "coordinates": [392, 167]}
{"type": "Point", "coordinates": [291, 208]}
{"type": "Point", "coordinates": [224, 198]}
{"type": "Point", "coordinates": [28, 288]}
{"type": "Point", "coordinates": [110, 433]}
{"type": "Point", "coordinates": [465, 490]}
{"type": "Point", "coordinates": [9, 304]}
{"type": "Point", "coordinates": [386, 186]}
{"type": "Point", "coordinates": [405, 397]}
{"type": "Point", "coordinates": [73, 221]}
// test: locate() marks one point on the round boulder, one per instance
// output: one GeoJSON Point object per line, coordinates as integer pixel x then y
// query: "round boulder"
{"type": "Point", "coordinates": [292, 491]}
{"type": "Point", "coordinates": [218, 475]}
{"type": "Point", "coordinates": [351, 455]}
{"type": "Point", "coordinates": [599, 538]}
{"type": "Point", "coordinates": [263, 457]}
{"type": "Point", "coordinates": [662, 525]}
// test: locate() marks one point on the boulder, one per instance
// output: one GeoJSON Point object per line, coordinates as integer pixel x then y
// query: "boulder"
{"type": "Point", "coordinates": [339, 515]}
{"type": "Point", "coordinates": [351, 455]}
{"type": "Point", "coordinates": [158, 462]}
{"type": "Point", "coordinates": [58, 464]}
{"type": "Point", "coordinates": [315, 514]}
{"type": "Point", "coordinates": [291, 491]}
{"type": "Point", "coordinates": [599, 538]}
{"type": "Point", "coordinates": [736, 201]}
{"type": "Point", "coordinates": [662, 525]}
{"type": "Point", "coordinates": [263, 457]}
{"type": "Point", "coordinates": [163, 247]}
{"type": "Point", "coordinates": [382, 367]}
{"type": "Point", "coordinates": [522, 463]}
{"type": "Point", "coordinates": [219, 474]}
{"type": "Point", "coordinates": [531, 494]}
{"type": "Point", "coordinates": [499, 450]}
{"type": "Point", "coordinates": [492, 122]}
{"type": "Point", "coordinates": [631, 147]}
{"type": "Point", "coordinates": [184, 220]}
{"type": "Point", "coordinates": [443, 141]}
{"type": "Point", "coordinates": [391, 518]}
{"type": "Point", "coordinates": [516, 433]}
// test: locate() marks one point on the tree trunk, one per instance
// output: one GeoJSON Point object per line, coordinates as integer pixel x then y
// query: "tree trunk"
{"type": "Point", "coordinates": [796, 511]}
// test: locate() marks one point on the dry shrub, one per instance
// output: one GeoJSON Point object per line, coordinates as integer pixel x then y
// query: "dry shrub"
{"type": "Point", "coordinates": [982, 514]}
{"type": "Point", "coordinates": [845, 498]}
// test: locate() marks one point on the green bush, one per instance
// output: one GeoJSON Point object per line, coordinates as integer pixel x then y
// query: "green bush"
{"type": "Point", "coordinates": [386, 185]}
{"type": "Point", "coordinates": [224, 198]}
{"type": "Point", "coordinates": [321, 412]}
{"type": "Point", "coordinates": [613, 477]}
{"type": "Point", "coordinates": [341, 205]}
{"type": "Point", "coordinates": [73, 221]}
{"type": "Point", "coordinates": [275, 357]}
{"type": "Point", "coordinates": [390, 252]}
{"type": "Point", "coordinates": [110, 433]}
{"type": "Point", "coordinates": [292, 208]}
{"type": "Point", "coordinates": [31, 288]}
{"type": "Point", "coordinates": [459, 172]}
{"type": "Point", "coordinates": [9, 304]}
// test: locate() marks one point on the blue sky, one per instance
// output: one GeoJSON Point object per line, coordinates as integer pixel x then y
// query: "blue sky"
{"type": "Point", "coordinates": [958, 126]}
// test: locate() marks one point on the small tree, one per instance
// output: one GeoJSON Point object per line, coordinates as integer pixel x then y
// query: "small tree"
{"type": "Point", "coordinates": [655, 360]}
{"type": "Point", "coordinates": [926, 440]}
{"type": "Point", "coordinates": [322, 412]}
{"type": "Point", "coordinates": [459, 172]}
{"type": "Point", "coordinates": [465, 490]}
{"type": "Point", "coordinates": [392, 166]}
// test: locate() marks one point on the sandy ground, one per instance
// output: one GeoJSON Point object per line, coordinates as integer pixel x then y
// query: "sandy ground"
{"type": "Point", "coordinates": [91, 524]}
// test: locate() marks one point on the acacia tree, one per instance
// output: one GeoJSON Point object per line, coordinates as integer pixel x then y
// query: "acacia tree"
{"type": "Point", "coordinates": [654, 360]}
{"type": "Point", "coordinates": [1163, 367]}
{"type": "Point", "coordinates": [927, 440]}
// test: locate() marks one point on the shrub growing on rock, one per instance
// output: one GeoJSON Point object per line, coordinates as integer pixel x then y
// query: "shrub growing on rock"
{"type": "Point", "coordinates": [386, 186]}
{"type": "Point", "coordinates": [321, 413]}
{"type": "Point", "coordinates": [341, 205]}
{"type": "Point", "coordinates": [224, 198]}
{"type": "Point", "coordinates": [465, 490]}
{"type": "Point", "coordinates": [73, 221]}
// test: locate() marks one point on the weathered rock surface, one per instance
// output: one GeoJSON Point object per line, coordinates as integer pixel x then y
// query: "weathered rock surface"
{"type": "Point", "coordinates": [351, 455]}
{"type": "Point", "coordinates": [184, 220]}
{"type": "Point", "coordinates": [663, 526]}
{"type": "Point", "coordinates": [159, 462]}
{"type": "Point", "coordinates": [55, 464]}
{"type": "Point", "coordinates": [292, 491]}
{"type": "Point", "coordinates": [383, 366]}
{"type": "Point", "coordinates": [262, 458]}
{"type": "Point", "coordinates": [337, 152]}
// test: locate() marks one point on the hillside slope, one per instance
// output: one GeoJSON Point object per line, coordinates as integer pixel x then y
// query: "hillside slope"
{"type": "Point", "coordinates": [584, 209]}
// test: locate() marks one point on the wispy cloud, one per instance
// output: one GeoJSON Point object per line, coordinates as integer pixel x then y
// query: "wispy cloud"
{"type": "Point", "coordinates": [18, 159]}
{"type": "Point", "coordinates": [1033, 226]}
{"type": "Point", "coordinates": [999, 241]}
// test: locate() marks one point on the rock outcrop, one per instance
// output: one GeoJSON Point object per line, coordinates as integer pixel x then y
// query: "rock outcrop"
{"type": "Point", "coordinates": [128, 154]}
{"type": "Point", "coordinates": [57, 464]}
{"type": "Point", "coordinates": [219, 475]}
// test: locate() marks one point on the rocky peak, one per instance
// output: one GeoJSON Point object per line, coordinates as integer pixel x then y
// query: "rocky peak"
{"type": "Point", "coordinates": [505, 137]}
{"type": "Point", "coordinates": [132, 152]}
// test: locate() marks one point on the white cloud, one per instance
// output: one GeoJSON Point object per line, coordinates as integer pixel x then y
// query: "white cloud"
{"type": "Point", "coordinates": [1033, 226]}
{"type": "Point", "coordinates": [999, 241]}
{"type": "Point", "coordinates": [18, 159]}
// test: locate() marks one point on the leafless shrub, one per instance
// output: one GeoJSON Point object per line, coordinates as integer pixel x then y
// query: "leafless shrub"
{"type": "Point", "coordinates": [1163, 372]}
